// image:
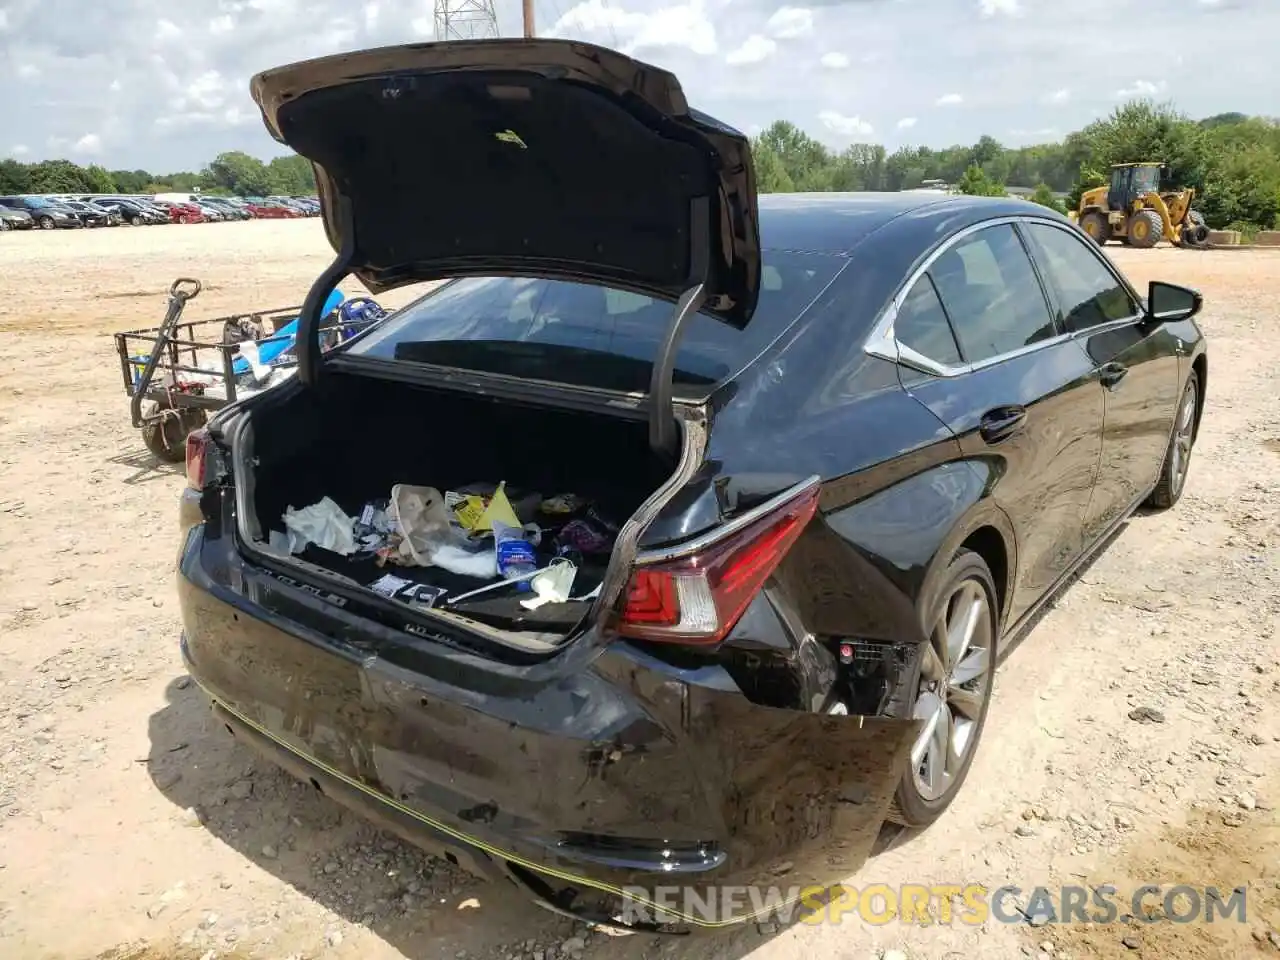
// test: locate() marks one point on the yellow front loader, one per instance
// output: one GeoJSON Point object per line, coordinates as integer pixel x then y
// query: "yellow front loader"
{"type": "Point", "coordinates": [1133, 209]}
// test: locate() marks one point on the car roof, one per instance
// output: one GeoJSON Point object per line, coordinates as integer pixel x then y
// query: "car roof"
{"type": "Point", "coordinates": [836, 223]}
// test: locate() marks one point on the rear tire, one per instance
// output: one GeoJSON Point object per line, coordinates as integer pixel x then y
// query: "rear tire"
{"type": "Point", "coordinates": [1146, 228]}
{"type": "Point", "coordinates": [46, 223]}
{"type": "Point", "coordinates": [4, 225]}
{"type": "Point", "coordinates": [167, 438]}
{"type": "Point", "coordinates": [1177, 456]}
{"type": "Point", "coordinates": [962, 621]}
{"type": "Point", "coordinates": [1097, 227]}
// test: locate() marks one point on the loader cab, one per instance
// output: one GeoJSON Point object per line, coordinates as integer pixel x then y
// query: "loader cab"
{"type": "Point", "coordinates": [1131, 181]}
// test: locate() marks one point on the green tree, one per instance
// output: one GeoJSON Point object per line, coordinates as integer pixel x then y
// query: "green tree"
{"type": "Point", "coordinates": [292, 176]}
{"type": "Point", "coordinates": [771, 175]}
{"type": "Point", "coordinates": [15, 177]}
{"type": "Point", "coordinates": [241, 174]}
{"type": "Point", "coordinates": [1043, 195]}
{"type": "Point", "coordinates": [976, 183]}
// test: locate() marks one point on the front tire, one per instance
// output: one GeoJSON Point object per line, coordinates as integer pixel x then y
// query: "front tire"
{"type": "Point", "coordinates": [46, 223]}
{"type": "Point", "coordinates": [1146, 228]}
{"type": "Point", "coordinates": [962, 621]}
{"type": "Point", "coordinates": [1177, 456]}
{"type": "Point", "coordinates": [1097, 227]}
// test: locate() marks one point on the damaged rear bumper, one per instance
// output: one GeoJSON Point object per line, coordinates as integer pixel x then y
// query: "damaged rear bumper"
{"type": "Point", "coordinates": [608, 785]}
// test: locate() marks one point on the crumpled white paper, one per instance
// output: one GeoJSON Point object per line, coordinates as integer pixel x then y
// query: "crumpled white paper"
{"type": "Point", "coordinates": [323, 524]}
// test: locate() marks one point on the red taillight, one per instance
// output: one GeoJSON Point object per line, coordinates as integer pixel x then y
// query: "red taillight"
{"type": "Point", "coordinates": [697, 599]}
{"type": "Point", "coordinates": [197, 446]}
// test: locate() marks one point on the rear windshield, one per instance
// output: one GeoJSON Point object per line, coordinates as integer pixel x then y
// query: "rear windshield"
{"type": "Point", "coordinates": [589, 335]}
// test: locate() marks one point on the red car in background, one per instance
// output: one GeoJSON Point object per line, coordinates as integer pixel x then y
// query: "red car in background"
{"type": "Point", "coordinates": [180, 212]}
{"type": "Point", "coordinates": [272, 211]}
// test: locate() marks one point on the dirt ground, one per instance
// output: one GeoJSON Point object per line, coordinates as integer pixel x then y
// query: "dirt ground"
{"type": "Point", "coordinates": [130, 826]}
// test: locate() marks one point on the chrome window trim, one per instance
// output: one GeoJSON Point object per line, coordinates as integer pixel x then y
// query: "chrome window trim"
{"type": "Point", "coordinates": [881, 341]}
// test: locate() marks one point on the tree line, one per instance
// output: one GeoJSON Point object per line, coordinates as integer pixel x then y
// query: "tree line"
{"type": "Point", "coordinates": [231, 174]}
{"type": "Point", "coordinates": [1232, 160]}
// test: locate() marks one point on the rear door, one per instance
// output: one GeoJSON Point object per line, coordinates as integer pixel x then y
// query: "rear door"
{"type": "Point", "coordinates": [1020, 396]}
{"type": "Point", "coordinates": [1134, 359]}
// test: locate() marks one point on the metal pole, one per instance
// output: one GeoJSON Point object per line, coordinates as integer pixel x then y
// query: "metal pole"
{"type": "Point", "coordinates": [528, 18]}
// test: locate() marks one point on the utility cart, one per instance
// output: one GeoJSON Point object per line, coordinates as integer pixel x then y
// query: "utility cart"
{"type": "Point", "coordinates": [176, 373]}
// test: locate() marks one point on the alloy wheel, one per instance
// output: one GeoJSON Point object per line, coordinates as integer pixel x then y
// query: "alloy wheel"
{"type": "Point", "coordinates": [953, 688]}
{"type": "Point", "coordinates": [1183, 434]}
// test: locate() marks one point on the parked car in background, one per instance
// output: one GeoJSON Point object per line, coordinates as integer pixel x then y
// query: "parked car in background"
{"type": "Point", "coordinates": [12, 219]}
{"type": "Point", "coordinates": [181, 212]}
{"type": "Point", "coordinates": [210, 212]}
{"type": "Point", "coordinates": [132, 211]}
{"type": "Point", "coordinates": [268, 210]}
{"type": "Point", "coordinates": [47, 214]}
{"type": "Point", "coordinates": [226, 210]}
{"type": "Point", "coordinates": [849, 445]}
{"type": "Point", "coordinates": [92, 215]}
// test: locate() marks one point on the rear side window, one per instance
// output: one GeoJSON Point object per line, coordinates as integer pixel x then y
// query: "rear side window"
{"type": "Point", "coordinates": [921, 324]}
{"type": "Point", "coordinates": [990, 291]}
{"type": "Point", "coordinates": [1089, 293]}
{"type": "Point", "coordinates": [590, 335]}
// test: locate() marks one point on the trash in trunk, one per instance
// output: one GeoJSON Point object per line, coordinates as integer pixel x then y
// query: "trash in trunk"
{"type": "Point", "coordinates": [419, 518]}
{"type": "Point", "coordinates": [323, 524]}
{"type": "Point", "coordinates": [564, 504]}
{"type": "Point", "coordinates": [514, 554]}
{"type": "Point", "coordinates": [552, 585]}
{"type": "Point", "coordinates": [477, 506]}
{"type": "Point", "coordinates": [592, 533]}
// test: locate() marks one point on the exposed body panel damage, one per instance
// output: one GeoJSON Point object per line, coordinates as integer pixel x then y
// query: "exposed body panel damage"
{"type": "Point", "coordinates": [537, 771]}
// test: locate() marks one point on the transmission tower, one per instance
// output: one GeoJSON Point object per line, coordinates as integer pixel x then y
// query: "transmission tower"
{"type": "Point", "coordinates": [465, 20]}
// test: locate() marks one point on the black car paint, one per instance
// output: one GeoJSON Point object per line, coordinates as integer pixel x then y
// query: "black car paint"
{"type": "Point", "coordinates": [42, 210]}
{"type": "Point", "coordinates": [572, 773]}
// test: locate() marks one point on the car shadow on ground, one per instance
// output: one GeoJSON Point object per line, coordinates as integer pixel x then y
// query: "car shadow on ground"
{"type": "Point", "coordinates": [145, 466]}
{"type": "Point", "coordinates": [422, 906]}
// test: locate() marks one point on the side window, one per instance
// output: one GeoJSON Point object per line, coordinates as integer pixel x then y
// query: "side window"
{"type": "Point", "coordinates": [990, 292]}
{"type": "Point", "coordinates": [922, 325]}
{"type": "Point", "coordinates": [1089, 293]}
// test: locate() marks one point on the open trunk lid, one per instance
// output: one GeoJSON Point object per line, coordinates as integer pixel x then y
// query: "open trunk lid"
{"type": "Point", "coordinates": [522, 157]}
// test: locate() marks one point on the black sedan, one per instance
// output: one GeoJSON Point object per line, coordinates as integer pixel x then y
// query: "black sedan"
{"type": "Point", "coordinates": [92, 215]}
{"type": "Point", "coordinates": [827, 454]}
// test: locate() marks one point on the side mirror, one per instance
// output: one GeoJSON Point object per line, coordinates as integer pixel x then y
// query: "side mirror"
{"type": "Point", "coordinates": [1169, 303]}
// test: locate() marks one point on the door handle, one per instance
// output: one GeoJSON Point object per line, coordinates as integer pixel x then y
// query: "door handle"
{"type": "Point", "coordinates": [1002, 423]}
{"type": "Point", "coordinates": [1111, 374]}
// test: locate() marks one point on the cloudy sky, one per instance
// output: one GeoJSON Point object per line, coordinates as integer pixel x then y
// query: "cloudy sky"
{"type": "Point", "coordinates": [163, 84]}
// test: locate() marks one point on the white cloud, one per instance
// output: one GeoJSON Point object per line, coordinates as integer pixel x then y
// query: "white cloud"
{"type": "Point", "coordinates": [90, 144]}
{"type": "Point", "coordinates": [207, 91]}
{"type": "Point", "coordinates": [755, 49]}
{"type": "Point", "coordinates": [790, 23]}
{"type": "Point", "coordinates": [949, 100]}
{"type": "Point", "coordinates": [1058, 96]}
{"type": "Point", "coordinates": [992, 7]}
{"type": "Point", "coordinates": [19, 150]}
{"type": "Point", "coordinates": [167, 30]}
{"type": "Point", "coordinates": [424, 26]}
{"type": "Point", "coordinates": [835, 61]}
{"type": "Point", "coordinates": [28, 71]}
{"type": "Point", "coordinates": [115, 86]}
{"type": "Point", "coordinates": [838, 123]}
{"type": "Point", "coordinates": [4, 21]}
{"type": "Point", "coordinates": [1141, 88]}
{"type": "Point", "coordinates": [222, 25]}
{"type": "Point", "coordinates": [686, 25]}
{"type": "Point", "coordinates": [906, 123]}
{"type": "Point", "coordinates": [370, 17]}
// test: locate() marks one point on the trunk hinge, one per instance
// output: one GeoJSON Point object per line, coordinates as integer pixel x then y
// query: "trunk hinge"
{"type": "Point", "coordinates": [308, 341]}
{"type": "Point", "coordinates": [663, 434]}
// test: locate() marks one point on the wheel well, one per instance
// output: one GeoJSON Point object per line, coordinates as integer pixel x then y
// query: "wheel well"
{"type": "Point", "coordinates": [1201, 367]}
{"type": "Point", "coordinates": [988, 543]}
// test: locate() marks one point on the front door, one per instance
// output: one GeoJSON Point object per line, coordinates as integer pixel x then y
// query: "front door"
{"type": "Point", "coordinates": [1133, 358]}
